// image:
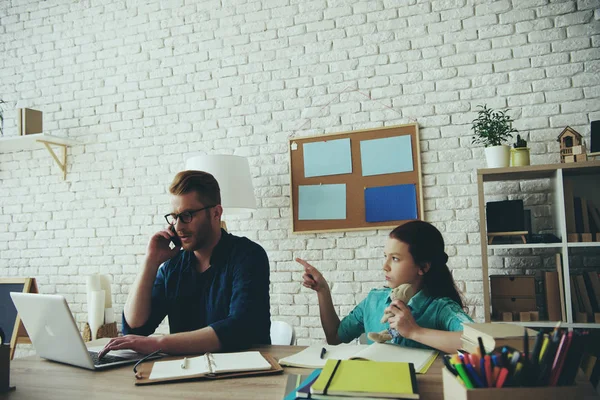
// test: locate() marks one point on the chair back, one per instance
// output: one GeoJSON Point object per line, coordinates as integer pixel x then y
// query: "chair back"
{"type": "Point", "coordinates": [282, 333]}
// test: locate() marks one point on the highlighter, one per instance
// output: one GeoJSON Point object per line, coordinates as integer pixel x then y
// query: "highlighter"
{"type": "Point", "coordinates": [460, 368]}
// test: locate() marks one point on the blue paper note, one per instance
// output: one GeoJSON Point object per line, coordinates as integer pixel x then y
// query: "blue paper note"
{"type": "Point", "coordinates": [332, 157]}
{"type": "Point", "coordinates": [386, 156]}
{"type": "Point", "coordinates": [391, 203]}
{"type": "Point", "coordinates": [322, 202]}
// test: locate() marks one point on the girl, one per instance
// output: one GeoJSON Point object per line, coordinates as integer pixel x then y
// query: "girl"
{"type": "Point", "coordinates": [433, 318]}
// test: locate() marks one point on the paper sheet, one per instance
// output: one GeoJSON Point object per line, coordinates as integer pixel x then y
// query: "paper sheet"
{"type": "Point", "coordinates": [331, 157]}
{"type": "Point", "coordinates": [386, 156]}
{"type": "Point", "coordinates": [318, 202]}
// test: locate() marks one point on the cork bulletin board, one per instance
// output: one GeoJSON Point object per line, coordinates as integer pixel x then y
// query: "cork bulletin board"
{"type": "Point", "coordinates": [359, 180]}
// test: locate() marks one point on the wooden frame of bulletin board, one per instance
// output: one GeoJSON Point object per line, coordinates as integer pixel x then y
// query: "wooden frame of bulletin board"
{"type": "Point", "coordinates": [368, 179]}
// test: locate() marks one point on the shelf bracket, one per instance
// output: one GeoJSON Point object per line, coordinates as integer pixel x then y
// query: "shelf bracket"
{"type": "Point", "coordinates": [62, 165]}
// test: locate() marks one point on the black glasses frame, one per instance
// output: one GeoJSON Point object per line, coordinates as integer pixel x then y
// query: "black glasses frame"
{"type": "Point", "coordinates": [182, 214]}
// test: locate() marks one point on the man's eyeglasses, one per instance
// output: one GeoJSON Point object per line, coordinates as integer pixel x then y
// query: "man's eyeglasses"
{"type": "Point", "coordinates": [185, 216]}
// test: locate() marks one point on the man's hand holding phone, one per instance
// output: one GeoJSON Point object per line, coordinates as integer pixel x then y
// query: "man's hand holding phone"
{"type": "Point", "coordinates": [160, 248]}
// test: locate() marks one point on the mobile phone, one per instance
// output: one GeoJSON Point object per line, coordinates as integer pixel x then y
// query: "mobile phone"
{"type": "Point", "coordinates": [175, 239]}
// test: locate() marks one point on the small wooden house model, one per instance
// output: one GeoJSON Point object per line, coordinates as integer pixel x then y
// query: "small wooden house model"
{"type": "Point", "coordinates": [572, 148]}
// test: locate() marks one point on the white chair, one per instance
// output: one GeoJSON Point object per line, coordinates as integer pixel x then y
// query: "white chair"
{"type": "Point", "coordinates": [282, 333]}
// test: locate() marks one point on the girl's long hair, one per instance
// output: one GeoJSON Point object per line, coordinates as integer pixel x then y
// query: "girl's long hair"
{"type": "Point", "coordinates": [426, 245]}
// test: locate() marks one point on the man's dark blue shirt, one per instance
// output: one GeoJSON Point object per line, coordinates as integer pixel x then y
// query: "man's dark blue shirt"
{"type": "Point", "coordinates": [232, 296]}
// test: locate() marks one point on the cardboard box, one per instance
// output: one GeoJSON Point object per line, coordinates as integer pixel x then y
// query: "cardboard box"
{"type": "Point", "coordinates": [29, 121]}
{"type": "Point", "coordinates": [454, 390]}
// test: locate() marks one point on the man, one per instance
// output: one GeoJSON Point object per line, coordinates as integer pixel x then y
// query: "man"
{"type": "Point", "coordinates": [215, 289]}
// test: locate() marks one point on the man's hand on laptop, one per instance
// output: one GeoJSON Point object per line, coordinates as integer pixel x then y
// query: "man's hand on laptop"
{"type": "Point", "coordinates": [140, 344]}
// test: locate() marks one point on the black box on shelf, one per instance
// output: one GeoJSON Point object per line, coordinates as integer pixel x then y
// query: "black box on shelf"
{"type": "Point", "coordinates": [505, 216]}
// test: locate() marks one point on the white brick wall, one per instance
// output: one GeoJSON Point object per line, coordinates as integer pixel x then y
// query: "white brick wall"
{"type": "Point", "coordinates": [144, 86]}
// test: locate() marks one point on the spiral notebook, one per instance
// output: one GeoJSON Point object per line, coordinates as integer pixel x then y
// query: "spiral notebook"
{"type": "Point", "coordinates": [209, 365]}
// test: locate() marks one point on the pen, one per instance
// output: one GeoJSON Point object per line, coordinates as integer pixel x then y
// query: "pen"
{"type": "Point", "coordinates": [481, 348]}
{"type": "Point", "coordinates": [184, 363]}
{"type": "Point", "coordinates": [460, 368]}
{"type": "Point", "coordinates": [537, 347]}
{"type": "Point", "coordinates": [559, 360]}
{"type": "Point", "coordinates": [483, 372]}
{"type": "Point", "coordinates": [323, 351]}
{"type": "Point", "coordinates": [449, 366]}
{"type": "Point", "coordinates": [473, 375]}
{"type": "Point", "coordinates": [544, 347]}
{"type": "Point", "coordinates": [501, 377]}
{"type": "Point", "coordinates": [489, 375]}
{"type": "Point", "coordinates": [526, 346]}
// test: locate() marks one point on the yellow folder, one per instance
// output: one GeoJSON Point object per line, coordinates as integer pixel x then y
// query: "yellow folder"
{"type": "Point", "coordinates": [367, 378]}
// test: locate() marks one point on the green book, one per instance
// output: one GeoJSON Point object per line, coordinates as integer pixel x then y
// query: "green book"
{"type": "Point", "coordinates": [358, 378]}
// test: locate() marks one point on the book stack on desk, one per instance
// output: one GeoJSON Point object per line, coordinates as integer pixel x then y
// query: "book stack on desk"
{"type": "Point", "coordinates": [495, 335]}
{"type": "Point", "coordinates": [548, 370]}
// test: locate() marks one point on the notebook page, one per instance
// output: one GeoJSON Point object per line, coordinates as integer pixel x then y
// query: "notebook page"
{"type": "Point", "coordinates": [243, 361]}
{"type": "Point", "coordinates": [172, 369]}
{"type": "Point", "coordinates": [311, 356]}
{"type": "Point", "coordinates": [394, 353]}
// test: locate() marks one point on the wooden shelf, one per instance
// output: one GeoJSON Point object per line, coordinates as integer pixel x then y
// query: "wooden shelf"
{"type": "Point", "coordinates": [536, 171]}
{"type": "Point", "coordinates": [526, 246]}
{"type": "Point", "coordinates": [583, 244]}
{"type": "Point", "coordinates": [12, 144]}
{"type": "Point", "coordinates": [582, 178]}
{"type": "Point", "coordinates": [550, 324]}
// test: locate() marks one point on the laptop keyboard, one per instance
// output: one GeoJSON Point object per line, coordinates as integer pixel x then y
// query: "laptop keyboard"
{"type": "Point", "coordinates": [107, 359]}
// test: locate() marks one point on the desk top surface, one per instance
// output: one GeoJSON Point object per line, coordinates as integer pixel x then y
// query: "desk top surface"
{"type": "Point", "coordinates": [35, 378]}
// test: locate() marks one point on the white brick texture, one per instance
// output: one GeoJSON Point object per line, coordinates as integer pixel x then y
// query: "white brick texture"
{"type": "Point", "coordinates": [144, 85]}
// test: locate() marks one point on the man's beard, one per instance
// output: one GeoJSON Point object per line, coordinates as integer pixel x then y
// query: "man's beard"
{"type": "Point", "coordinates": [203, 237]}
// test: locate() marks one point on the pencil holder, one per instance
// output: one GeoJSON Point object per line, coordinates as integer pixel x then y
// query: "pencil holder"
{"type": "Point", "coordinates": [105, 331]}
{"type": "Point", "coordinates": [454, 390]}
{"type": "Point", "coordinates": [5, 368]}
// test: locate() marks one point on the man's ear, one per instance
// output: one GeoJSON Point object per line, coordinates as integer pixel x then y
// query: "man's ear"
{"type": "Point", "coordinates": [424, 269]}
{"type": "Point", "coordinates": [217, 211]}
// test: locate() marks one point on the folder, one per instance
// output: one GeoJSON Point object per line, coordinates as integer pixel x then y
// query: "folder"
{"type": "Point", "coordinates": [357, 378]}
{"type": "Point", "coordinates": [209, 366]}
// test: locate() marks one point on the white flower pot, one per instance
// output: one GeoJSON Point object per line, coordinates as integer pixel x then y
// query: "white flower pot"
{"type": "Point", "coordinates": [497, 156]}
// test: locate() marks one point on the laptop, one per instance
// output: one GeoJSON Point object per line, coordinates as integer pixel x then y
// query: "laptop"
{"type": "Point", "coordinates": [53, 332]}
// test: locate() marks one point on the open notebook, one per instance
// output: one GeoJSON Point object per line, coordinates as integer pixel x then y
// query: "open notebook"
{"type": "Point", "coordinates": [209, 365]}
{"type": "Point", "coordinates": [311, 356]}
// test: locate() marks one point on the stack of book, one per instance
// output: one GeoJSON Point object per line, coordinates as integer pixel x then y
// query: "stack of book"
{"type": "Point", "coordinates": [585, 296]}
{"type": "Point", "coordinates": [349, 379]}
{"type": "Point", "coordinates": [494, 335]}
{"type": "Point", "coordinates": [582, 216]}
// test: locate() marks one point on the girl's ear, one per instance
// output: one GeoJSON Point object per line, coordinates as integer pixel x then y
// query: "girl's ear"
{"type": "Point", "coordinates": [424, 269]}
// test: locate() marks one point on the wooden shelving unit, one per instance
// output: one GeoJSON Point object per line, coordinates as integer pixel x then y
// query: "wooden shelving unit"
{"type": "Point", "coordinates": [12, 144]}
{"type": "Point", "coordinates": [556, 173]}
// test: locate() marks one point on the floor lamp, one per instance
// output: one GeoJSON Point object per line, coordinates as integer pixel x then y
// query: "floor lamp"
{"type": "Point", "coordinates": [233, 175]}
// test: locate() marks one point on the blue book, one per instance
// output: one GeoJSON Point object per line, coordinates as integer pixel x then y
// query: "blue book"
{"type": "Point", "coordinates": [298, 382]}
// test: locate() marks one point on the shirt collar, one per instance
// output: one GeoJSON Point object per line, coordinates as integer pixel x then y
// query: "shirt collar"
{"type": "Point", "coordinates": [221, 250]}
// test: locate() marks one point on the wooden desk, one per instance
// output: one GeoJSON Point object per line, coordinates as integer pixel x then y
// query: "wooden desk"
{"type": "Point", "coordinates": [36, 378]}
{"type": "Point", "coordinates": [40, 379]}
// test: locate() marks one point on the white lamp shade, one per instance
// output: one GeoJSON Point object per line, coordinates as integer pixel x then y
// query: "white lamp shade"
{"type": "Point", "coordinates": [233, 175]}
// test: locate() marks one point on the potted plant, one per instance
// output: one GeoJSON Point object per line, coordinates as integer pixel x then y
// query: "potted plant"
{"type": "Point", "coordinates": [519, 155]}
{"type": "Point", "coordinates": [492, 129]}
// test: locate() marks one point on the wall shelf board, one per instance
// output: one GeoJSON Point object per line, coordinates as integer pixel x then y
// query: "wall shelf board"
{"type": "Point", "coordinates": [36, 141]}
